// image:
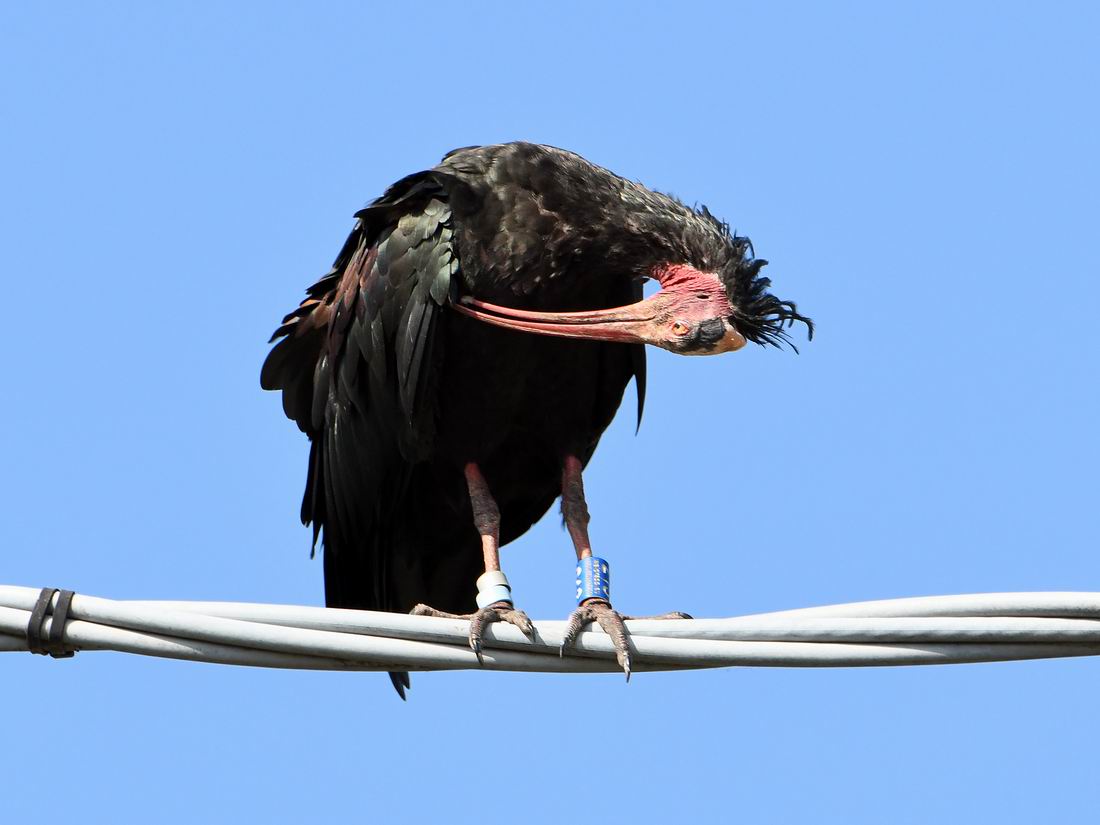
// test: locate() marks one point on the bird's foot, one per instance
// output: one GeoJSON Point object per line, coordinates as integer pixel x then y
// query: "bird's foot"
{"type": "Point", "coordinates": [495, 612]}
{"type": "Point", "coordinates": [602, 613]}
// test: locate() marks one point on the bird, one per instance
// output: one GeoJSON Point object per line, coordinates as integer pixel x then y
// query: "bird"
{"type": "Point", "coordinates": [456, 367]}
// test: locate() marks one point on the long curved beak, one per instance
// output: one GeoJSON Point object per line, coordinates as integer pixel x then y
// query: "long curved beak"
{"type": "Point", "coordinates": [630, 324]}
{"type": "Point", "coordinates": [689, 300]}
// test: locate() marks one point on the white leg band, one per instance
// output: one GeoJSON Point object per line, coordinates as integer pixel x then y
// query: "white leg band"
{"type": "Point", "coordinates": [492, 586]}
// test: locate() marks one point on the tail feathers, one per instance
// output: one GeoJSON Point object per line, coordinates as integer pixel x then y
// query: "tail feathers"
{"type": "Point", "coordinates": [411, 554]}
{"type": "Point", "coordinates": [401, 683]}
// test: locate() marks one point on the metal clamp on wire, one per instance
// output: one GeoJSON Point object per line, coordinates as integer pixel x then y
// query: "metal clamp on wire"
{"type": "Point", "coordinates": [54, 644]}
{"type": "Point", "coordinates": [493, 586]}
{"type": "Point", "coordinates": [593, 579]}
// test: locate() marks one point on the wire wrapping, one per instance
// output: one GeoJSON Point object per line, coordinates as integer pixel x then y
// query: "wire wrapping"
{"type": "Point", "coordinates": [914, 631]}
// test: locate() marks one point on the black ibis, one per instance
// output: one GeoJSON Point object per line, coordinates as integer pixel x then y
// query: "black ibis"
{"type": "Point", "coordinates": [456, 368]}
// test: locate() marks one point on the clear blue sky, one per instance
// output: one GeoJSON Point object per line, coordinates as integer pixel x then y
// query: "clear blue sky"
{"type": "Point", "coordinates": [923, 179]}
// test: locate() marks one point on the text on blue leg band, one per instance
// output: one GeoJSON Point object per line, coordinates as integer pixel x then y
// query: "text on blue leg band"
{"type": "Point", "coordinates": [593, 579]}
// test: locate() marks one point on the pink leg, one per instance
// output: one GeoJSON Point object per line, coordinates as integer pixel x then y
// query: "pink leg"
{"type": "Point", "coordinates": [486, 516]}
{"type": "Point", "coordinates": [574, 510]}
{"type": "Point", "coordinates": [487, 521]}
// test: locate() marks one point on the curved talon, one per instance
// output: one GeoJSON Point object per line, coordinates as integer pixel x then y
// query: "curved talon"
{"type": "Point", "coordinates": [603, 614]}
{"type": "Point", "coordinates": [495, 612]}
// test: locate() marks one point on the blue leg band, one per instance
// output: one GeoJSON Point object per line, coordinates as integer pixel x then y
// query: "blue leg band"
{"type": "Point", "coordinates": [593, 579]}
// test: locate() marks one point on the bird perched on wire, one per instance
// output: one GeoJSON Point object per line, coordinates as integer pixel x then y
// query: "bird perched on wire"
{"type": "Point", "coordinates": [455, 369]}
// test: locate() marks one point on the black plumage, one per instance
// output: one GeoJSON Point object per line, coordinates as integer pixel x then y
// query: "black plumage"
{"type": "Point", "coordinates": [399, 384]}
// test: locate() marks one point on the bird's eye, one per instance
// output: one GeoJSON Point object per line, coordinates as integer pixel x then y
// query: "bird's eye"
{"type": "Point", "coordinates": [680, 328]}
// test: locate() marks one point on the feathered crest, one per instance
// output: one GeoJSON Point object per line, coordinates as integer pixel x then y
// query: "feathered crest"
{"type": "Point", "coordinates": [757, 314]}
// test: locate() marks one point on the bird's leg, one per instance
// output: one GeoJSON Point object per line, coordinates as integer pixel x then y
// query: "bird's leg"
{"type": "Point", "coordinates": [493, 585]}
{"type": "Point", "coordinates": [574, 510]}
